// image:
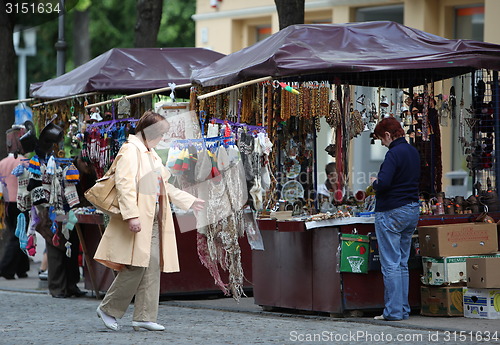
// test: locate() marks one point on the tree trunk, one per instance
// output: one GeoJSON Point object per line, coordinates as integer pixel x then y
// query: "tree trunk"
{"type": "Point", "coordinates": [148, 23]}
{"type": "Point", "coordinates": [7, 72]}
{"type": "Point", "coordinates": [290, 12]}
{"type": "Point", "coordinates": [81, 37]}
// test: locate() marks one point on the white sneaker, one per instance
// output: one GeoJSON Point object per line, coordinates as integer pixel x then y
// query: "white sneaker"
{"type": "Point", "coordinates": [381, 317]}
{"type": "Point", "coordinates": [43, 275]}
{"type": "Point", "coordinates": [150, 326]}
{"type": "Point", "coordinates": [109, 321]}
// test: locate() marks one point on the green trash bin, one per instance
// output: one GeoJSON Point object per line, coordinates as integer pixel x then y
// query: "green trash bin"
{"type": "Point", "coordinates": [354, 250]}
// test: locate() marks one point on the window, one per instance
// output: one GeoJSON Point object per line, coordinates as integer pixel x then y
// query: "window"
{"type": "Point", "coordinates": [394, 13]}
{"type": "Point", "coordinates": [469, 23]}
{"type": "Point", "coordinates": [262, 32]}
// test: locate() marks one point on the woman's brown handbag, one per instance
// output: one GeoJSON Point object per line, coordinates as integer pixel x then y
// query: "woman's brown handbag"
{"type": "Point", "coordinates": [103, 194]}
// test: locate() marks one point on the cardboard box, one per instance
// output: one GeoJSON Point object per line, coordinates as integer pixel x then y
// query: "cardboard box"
{"type": "Point", "coordinates": [448, 270]}
{"type": "Point", "coordinates": [483, 273]}
{"type": "Point", "coordinates": [482, 303]}
{"type": "Point", "coordinates": [354, 253]}
{"type": "Point", "coordinates": [441, 301]}
{"type": "Point", "coordinates": [414, 261]}
{"type": "Point", "coordinates": [458, 239]}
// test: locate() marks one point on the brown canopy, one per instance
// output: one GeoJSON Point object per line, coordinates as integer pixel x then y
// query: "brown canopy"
{"type": "Point", "coordinates": [371, 53]}
{"type": "Point", "coordinates": [128, 70]}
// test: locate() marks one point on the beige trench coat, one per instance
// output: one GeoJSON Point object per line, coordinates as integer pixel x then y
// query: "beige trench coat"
{"type": "Point", "coordinates": [137, 182]}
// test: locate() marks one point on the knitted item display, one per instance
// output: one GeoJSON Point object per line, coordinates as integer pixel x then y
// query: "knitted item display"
{"type": "Point", "coordinates": [34, 165]}
{"type": "Point", "coordinates": [72, 220]}
{"type": "Point", "coordinates": [35, 181]}
{"type": "Point", "coordinates": [34, 219]}
{"type": "Point", "coordinates": [68, 248]}
{"type": "Point", "coordinates": [51, 166]}
{"type": "Point", "coordinates": [71, 174]}
{"type": "Point", "coordinates": [55, 240]}
{"type": "Point", "coordinates": [47, 180]}
{"type": "Point", "coordinates": [21, 224]}
{"type": "Point", "coordinates": [246, 146]}
{"type": "Point", "coordinates": [55, 189]}
{"type": "Point", "coordinates": [52, 217]}
{"type": "Point", "coordinates": [31, 245]}
{"type": "Point", "coordinates": [21, 232]}
{"type": "Point", "coordinates": [39, 193]}
{"type": "Point", "coordinates": [57, 192]}
{"type": "Point", "coordinates": [71, 194]}
{"type": "Point", "coordinates": [23, 195]}
{"type": "Point", "coordinates": [38, 196]}
{"type": "Point", "coordinates": [18, 171]}
{"type": "Point", "coordinates": [65, 231]}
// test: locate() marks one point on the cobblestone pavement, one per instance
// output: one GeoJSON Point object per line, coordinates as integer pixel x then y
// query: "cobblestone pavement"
{"type": "Point", "coordinates": [30, 318]}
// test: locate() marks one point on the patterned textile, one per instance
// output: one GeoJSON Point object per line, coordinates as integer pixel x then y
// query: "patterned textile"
{"type": "Point", "coordinates": [219, 232]}
{"type": "Point", "coordinates": [71, 194]}
{"type": "Point", "coordinates": [72, 174]}
{"type": "Point", "coordinates": [23, 196]}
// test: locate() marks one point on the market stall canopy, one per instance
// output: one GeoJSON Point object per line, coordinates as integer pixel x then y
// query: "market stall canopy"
{"type": "Point", "coordinates": [379, 53]}
{"type": "Point", "coordinates": [128, 70]}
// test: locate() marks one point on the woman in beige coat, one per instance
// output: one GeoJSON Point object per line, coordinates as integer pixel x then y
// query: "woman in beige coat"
{"type": "Point", "coordinates": [141, 241]}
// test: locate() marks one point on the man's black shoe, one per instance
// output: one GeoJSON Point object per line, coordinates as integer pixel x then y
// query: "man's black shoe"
{"type": "Point", "coordinates": [8, 277]}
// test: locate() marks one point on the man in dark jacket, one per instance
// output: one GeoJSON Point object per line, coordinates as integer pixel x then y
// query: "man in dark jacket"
{"type": "Point", "coordinates": [396, 215]}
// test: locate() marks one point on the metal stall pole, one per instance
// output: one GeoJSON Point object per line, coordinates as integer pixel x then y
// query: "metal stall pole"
{"type": "Point", "coordinates": [496, 114]}
{"type": "Point", "coordinates": [475, 191]}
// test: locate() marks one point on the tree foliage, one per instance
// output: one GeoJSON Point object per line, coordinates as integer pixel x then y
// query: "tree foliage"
{"type": "Point", "coordinates": [177, 29]}
{"type": "Point", "coordinates": [112, 25]}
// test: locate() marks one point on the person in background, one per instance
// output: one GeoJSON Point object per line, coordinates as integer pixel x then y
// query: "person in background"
{"type": "Point", "coordinates": [396, 215]}
{"type": "Point", "coordinates": [329, 187]}
{"type": "Point", "coordinates": [140, 242]}
{"type": "Point", "coordinates": [328, 192]}
{"type": "Point", "coordinates": [14, 261]}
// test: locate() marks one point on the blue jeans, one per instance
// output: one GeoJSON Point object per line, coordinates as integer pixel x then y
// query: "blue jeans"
{"type": "Point", "coordinates": [394, 229]}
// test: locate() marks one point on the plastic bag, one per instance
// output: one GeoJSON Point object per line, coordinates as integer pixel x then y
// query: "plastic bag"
{"type": "Point", "coordinates": [22, 114]}
{"type": "Point", "coordinates": [252, 229]}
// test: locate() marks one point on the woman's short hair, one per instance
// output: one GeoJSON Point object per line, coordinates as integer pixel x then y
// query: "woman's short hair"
{"type": "Point", "coordinates": [330, 167]}
{"type": "Point", "coordinates": [148, 119]}
{"type": "Point", "coordinates": [391, 125]}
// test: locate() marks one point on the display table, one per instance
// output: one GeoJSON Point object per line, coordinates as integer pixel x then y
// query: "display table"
{"type": "Point", "coordinates": [193, 277]}
{"type": "Point", "coordinates": [298, 268]}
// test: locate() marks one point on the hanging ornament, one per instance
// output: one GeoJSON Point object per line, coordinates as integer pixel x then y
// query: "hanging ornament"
{"type": "Point", "coordinates": [67, 245]}
{"type": "Point", "coordinates": [289, 89]}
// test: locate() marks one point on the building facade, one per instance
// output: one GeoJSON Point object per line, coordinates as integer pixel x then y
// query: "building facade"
{"type": "Point", "coordinates": [230, 25]}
